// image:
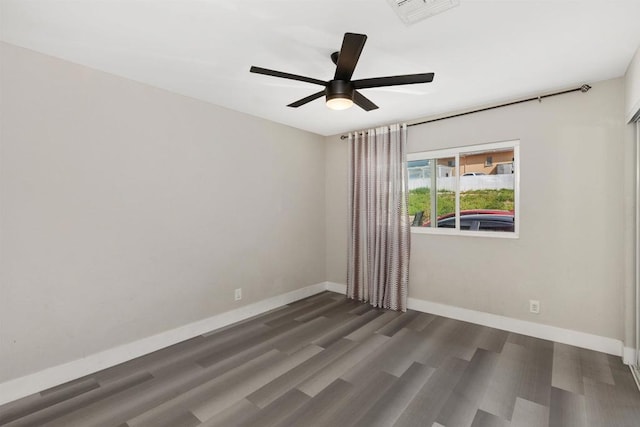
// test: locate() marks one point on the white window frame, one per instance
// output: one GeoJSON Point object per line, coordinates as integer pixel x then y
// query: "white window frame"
{"type": "Point", "coordinates": [456, 152]}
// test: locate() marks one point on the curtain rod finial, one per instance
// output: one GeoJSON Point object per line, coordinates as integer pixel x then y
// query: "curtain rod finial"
{"type": "Point", "coordinates": [585, 88]}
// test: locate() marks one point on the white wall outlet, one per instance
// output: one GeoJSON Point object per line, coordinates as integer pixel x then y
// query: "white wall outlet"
{"type": "Point", "coordinates": [534, 306]}
{"type": "Point", "coordinates": [238, 294]}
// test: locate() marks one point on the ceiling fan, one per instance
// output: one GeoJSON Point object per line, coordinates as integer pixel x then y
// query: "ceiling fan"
{"type": "Point", "coordinates": [341, 92]}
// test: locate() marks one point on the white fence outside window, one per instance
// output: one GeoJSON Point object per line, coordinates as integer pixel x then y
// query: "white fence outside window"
{"type": "Point", "coordinates": [467, 183]}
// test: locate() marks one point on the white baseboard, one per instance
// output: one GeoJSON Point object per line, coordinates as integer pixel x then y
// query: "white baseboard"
{"type": "Point", "coordinates": [336, 287]}
{"type": "Point", "coordinates": [538, 330]}
{"type": "Point", "coordinates": [629, 356]}
{"type": "Point", "coordinates": [50, 377]}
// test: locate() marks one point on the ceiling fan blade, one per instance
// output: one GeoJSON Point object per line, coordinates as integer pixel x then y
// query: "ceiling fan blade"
{"type": "Point", "coordinates": [309, 98]}
{"type": "Point", "coordinates": [393, 80]}
{"type": "Point", "coordinates": [267, 72]}
{"type": "Point", "coordinates": [350, 51]}
{"type": "Point", "coordinates": [363, 102]}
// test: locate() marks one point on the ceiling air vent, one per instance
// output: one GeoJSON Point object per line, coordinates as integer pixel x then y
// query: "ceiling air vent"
{"type": "Point", "coordinates": [411, 11]}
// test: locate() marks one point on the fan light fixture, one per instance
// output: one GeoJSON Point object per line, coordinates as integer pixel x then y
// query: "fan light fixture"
{"type": "Point", "coordinates": [339, 103]}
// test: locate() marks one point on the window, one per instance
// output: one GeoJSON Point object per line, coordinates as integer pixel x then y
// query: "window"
{"type": "Point", "coordinates": [475, 190]}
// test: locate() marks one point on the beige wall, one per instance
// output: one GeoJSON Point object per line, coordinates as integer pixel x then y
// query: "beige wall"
{"type": "Point", "coordinates": [127, 211]}
{"type": "Point", "coordinates": [574, 217]}
{"type": "Point", "coordinates": [337, 197]}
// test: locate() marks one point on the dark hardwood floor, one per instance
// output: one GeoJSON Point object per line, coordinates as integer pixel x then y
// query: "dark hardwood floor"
{"type": "Point", "coordinates": [327, 361]}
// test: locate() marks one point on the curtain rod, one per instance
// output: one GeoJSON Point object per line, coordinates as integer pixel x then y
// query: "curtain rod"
{"type": "Point", "coordinates": [584, 88]}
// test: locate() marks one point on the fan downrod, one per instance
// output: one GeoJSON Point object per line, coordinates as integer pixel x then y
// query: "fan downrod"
{"type": "Point", "coordinates": [334, 57]}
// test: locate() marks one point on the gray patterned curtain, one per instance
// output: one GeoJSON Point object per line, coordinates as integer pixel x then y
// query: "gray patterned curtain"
{"type": "Point", "coordinates": [380, 233]}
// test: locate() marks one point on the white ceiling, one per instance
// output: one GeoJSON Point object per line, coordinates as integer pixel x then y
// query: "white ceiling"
{"type": "Point", "coordinates": [480, 51]}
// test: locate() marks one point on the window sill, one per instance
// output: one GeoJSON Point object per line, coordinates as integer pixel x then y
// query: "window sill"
{"type": "Point", "coordinates": [453, 232]}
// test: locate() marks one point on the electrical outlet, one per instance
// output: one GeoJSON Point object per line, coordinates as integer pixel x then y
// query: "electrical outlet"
{"type": "Point", "coordinates": [534, 306]}
{"type": "Point", "coordinates": [238, 294]}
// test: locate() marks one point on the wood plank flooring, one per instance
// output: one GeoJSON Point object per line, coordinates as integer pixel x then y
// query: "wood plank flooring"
{"type": "Point", "coordinates": [327, 361]}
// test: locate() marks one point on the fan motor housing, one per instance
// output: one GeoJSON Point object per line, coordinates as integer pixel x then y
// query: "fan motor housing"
{"type": "Point", "coordinates": [339, 89]}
